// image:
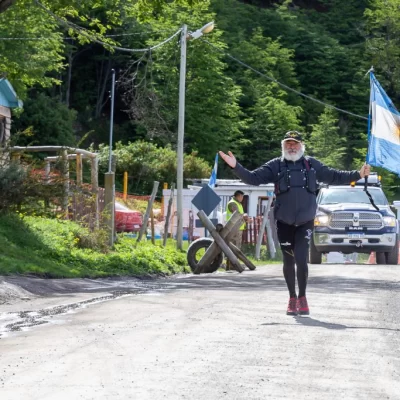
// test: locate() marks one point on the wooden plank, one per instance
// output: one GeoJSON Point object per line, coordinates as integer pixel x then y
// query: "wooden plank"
{"type": "Point", "coordinates": [220, 241]}
{"type": "Point", "coordinates": [53, 148]}
{"type": "Point", "coordinates": [239, 254]}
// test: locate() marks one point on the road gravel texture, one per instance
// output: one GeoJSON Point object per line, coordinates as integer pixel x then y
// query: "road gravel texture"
{"type": "Point", "coordinates": [218, 336]}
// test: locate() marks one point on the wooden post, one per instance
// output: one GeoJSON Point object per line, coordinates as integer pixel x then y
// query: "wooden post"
{"type": "Point", "coordinates": [162, 199]}
{"type": "Point", "coordinates": [125, 185]}
{"type": "Point", "coordinates": [239, 254]}
{"type": "Point", "coordinates": [170, 201]}
{"type": "Point", "coordinates": [109, 204]}
{"type": "Point", "coordinates": [152, 226]}
{"type": "Point", "coordinates": [47, 181]}
{"type": "Point", "coordinates": [262, 229]}
{"type": "Point", "coordinates": [95, 185]}
{"type": "Point", "coordinates": [79, 169]}
{"type": "Point", "coordinates": [219, 241]}
{"type": "Point", "coordinates": [47, 171]}
{"type": "Point", "coordinates": [147, 214]}
{"type": "Point", "coordinates": [16, 157]}
{"type": "Point", "coordinates": [65, 174]}
{"type": "Point", "coordinates": [270, 238]}
{"type": "Point", "coordinates": [94, 173]}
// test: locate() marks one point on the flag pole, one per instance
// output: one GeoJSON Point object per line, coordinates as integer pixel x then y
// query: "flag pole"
{"type": "Point", "coordinates": [369, 137]}
{"type": "Point", "coordinates": [369, 126]}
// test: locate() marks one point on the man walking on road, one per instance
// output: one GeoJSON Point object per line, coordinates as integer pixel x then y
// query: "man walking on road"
{"type": "Point", "coordinates": [295, 177]}
{"type": "Point", "coordinates": [235, 204]}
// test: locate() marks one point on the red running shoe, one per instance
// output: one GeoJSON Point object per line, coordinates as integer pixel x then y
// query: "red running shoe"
{"type": "Point", "coordinates": [302, 306]}
{"type": "Point", "coordinates": [292, 308]}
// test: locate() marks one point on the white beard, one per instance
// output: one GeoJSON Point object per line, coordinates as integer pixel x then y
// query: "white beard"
{"type": "Point", "coordinates": [293, 156]}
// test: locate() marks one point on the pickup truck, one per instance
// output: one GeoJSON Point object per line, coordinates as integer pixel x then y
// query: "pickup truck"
{"type": "Point", "coordinates": [347, 222]}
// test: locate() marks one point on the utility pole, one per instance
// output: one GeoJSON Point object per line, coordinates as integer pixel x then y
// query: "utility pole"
{"type": "Point", "coordinates": [181, 124]}
{"type": "Point", "coordinates": [181, 133]}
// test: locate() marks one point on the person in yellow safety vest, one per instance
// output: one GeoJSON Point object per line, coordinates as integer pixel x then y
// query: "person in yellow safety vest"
{"type": "Point", "coordinates": [235, 204]}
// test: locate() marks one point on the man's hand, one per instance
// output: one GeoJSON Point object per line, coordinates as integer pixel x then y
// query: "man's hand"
{"type": "Point", "coordinates": [365, 170]}
{"type": "Point", "coordinates": [229, 158]}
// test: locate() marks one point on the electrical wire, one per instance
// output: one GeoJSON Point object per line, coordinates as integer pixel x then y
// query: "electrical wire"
{"type": "Point", "coordinates": [280, 83]}
{"type": "Point", "coordinates": [86, 34]}
{"type": "Point", "coordinates": [89, 36]}
{"type": "Point", "coordinates": [39, 38]}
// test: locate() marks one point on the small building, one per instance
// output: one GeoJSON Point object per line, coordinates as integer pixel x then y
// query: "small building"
{"type": "Point", "coordinates": [255, 198]}
{"type": "Point", "coordinates": [8, 100]}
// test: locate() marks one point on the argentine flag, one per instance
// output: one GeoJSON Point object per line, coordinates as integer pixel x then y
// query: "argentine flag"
{"type": "Point", "coordinates": [213, 177]}
{"type": "Point", "coordinates": [384, 130]}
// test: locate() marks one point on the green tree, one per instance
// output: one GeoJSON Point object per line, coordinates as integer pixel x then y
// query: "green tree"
{"type": "Point", "coordinates": [146, 162]}
{"type": "Point", "coordinates": [212, 109]}
{"type": "Point", "coordinates": [38, 61]}
{"type": "Point", "coordinates": [383, 27]}
{"type": "Point", "coordinates": [48, 121]}
{"type": "Point", "coordinates": [325, 141]}
{"type": "Point", "coordinates": [264, 103]}
{"type": "Point", "coordinates": [29, 62]}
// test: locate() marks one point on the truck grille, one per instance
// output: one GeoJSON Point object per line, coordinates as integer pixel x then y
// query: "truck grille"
{"type": "Point", "coordinates": [369, 220]}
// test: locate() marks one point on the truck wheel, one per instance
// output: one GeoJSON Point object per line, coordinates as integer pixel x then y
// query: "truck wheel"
{"type": "Point", "coordinates": [381, 258]}
{"type": "Point", "coordinates": [197, 249]}
{"type": "Point", "coordinates": [315, 256]}
{"type": "Point", "coordinates": [392, 257]}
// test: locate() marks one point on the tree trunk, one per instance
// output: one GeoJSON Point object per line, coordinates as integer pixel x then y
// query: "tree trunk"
{"type": "Point", "coordinates": [69, 77]}
{"type": "Point", "coordinates": [102, 85]}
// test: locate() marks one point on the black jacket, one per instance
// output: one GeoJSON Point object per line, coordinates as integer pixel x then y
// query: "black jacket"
{"type": "Point", "coordinates": [296, 206]}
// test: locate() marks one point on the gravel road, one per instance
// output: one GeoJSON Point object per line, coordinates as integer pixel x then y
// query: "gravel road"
{"type": "Point", "coordinates": [219, 336]}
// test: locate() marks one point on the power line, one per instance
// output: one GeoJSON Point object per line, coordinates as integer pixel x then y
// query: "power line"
{"type": "Point", "coordinates": [38, 38]}
{"type": "Point", "coordinates": [280, 83]}
{"type": "Point", "coordinates": [89, 36]}
{"type": "Point", "coordinates": [86, 34]}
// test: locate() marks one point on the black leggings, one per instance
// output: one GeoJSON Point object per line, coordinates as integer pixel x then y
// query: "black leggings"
{"type": "Point", "coordinates": [294, 242]}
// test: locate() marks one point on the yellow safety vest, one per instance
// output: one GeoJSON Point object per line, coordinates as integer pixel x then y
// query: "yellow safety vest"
{"type": "Point", "coordinates": [229, 214]}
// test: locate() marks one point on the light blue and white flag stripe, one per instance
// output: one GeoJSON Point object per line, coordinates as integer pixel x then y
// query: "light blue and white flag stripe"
{"type": "Point", "coordinates": [384, 130]}
{"type": "Point", "coordinates": [213, 177]}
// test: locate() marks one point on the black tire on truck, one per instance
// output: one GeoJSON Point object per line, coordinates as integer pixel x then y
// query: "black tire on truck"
{"type": "Point", "coordinates": [380, 258]}
{"type": "Point", "coordinates": [193, 257]}
{"type": "Point", "coordinates": [392, 257]}
{"type": "Point", "coordinates": [315, 255]}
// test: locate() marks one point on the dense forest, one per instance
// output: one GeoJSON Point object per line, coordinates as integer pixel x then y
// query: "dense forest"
{"type": "Point", "coordinates": [267, 67]}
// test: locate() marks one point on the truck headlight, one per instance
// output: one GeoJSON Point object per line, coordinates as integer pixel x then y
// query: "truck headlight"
{"type": "Point", "coordinates": [321, 220]}
{"type": "Point", "coordinates": [389, 221]}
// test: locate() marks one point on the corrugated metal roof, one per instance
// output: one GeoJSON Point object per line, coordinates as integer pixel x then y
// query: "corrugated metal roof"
{"type": "Point", "coordinates": [8, 97]}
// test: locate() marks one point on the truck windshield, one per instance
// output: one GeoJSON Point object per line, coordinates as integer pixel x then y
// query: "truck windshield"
{"type": "Point", "coordinates": [351, 195]}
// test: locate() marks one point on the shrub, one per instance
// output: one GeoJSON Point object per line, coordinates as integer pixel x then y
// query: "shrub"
{"type": "Point", "coordinates": [59, 248]}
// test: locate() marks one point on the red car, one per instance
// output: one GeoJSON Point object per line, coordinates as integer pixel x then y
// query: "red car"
{"type": "Point", "coordinates": [127, 220]}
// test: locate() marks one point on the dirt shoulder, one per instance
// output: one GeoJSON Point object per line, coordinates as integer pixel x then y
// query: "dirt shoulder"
{"type": "Point", "coordinates": [11, 293]}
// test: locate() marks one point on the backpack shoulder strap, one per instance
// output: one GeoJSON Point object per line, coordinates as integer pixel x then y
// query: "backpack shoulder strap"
{"type": "Point", "coordinates": [307, 163]}
{"type": "Point", "coordinates": [282, 165]}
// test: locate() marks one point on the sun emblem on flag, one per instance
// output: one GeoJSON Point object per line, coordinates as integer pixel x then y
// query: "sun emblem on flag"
{"type": "Point", "coordinates": [396, 128]}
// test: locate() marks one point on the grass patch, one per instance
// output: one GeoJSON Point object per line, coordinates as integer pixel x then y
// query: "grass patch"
{"type": "Point", "coordinates": [63, 249]}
